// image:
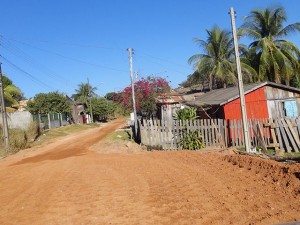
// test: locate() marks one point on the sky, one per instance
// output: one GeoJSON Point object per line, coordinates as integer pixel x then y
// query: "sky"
{"type": "Point", "coordinates": [56, 45]}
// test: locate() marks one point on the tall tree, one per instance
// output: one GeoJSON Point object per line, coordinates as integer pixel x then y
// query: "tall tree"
{"type": "Point", "coordinates": [84, 92]}
{"type": "Point", "coordinates": [274, 58]}
{"type": "Point", "coordinates": [52, 102]}
{"type": "Point", "coordinates": [12, 94]}
{"type": "Point", "coordinates": [217, 62]}
{"type": "Point", "coordinates": [146, 91]}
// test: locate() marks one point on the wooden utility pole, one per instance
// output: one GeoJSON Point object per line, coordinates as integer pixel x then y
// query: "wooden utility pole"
{"type": "Point", "coordinates": [240, 81]}
{"type": "Point", "coordinates": [130, 51]}
{"type": "Point", "coordinates": [3, 112]}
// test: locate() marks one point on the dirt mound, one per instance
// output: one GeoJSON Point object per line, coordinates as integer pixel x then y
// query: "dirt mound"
{"type": "Point", "coordinates": [274, 173]}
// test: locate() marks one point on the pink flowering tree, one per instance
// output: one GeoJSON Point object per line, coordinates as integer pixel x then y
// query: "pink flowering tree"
{"type": "Point", "coordinates": [146, 91]}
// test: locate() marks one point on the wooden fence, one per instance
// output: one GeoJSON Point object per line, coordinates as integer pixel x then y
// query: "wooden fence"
{"type": "Point", "coordinates": [158, 134]}
{"type": "Point", "coordinates": [279, 133]}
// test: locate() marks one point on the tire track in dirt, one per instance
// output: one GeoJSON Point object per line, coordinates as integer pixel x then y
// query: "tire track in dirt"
{"type": "Point", "coordinates": [161, 187]}
{"type": "Point", "coordinates": [76, 146]}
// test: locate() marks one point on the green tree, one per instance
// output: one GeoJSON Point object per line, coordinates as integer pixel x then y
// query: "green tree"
{"type": "Point", "coordinates": [217, 64]}
{"type": "Point", "coordinates": [103, 109]}
{"type": "Point", "coordinates": [110, 96]}
{"type": "Point", "coordinates": [52, 102]}
{"type": "Point", "coordinates": [194, 79]}
{"type": "Point", "coordinates": [12, 94]}
{"type": "Point", "coordinates": [274, 58]}
{"type": "Point", "coordinates": [84, 92]}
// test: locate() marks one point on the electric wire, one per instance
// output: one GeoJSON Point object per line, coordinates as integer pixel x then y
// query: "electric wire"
{"type": "Point", "coordinates": [161, 59]}
{"type": "Point", "coordinates": [14, 50]}
{"type": "Point", "coordinates": [138, 53]}
{"type": "Point", "coordinates": [30, 76]}
{"type": "Point", "coordinates": [167, 68]}
{"type": "Point", "coordinates": [72, 58]}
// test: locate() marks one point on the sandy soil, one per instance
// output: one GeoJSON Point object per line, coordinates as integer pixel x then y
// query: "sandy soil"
{"type": "Point", "coordinates": [76, 180]}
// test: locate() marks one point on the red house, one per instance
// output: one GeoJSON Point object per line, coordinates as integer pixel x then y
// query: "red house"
{"type": "Point", "coordinates": [263, 100]}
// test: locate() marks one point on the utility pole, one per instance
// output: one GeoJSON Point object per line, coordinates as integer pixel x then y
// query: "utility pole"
{"type": "Point", "coordinates": [90, 99]}
{"type": "Point", "coordinates": [130, 50]}
{"type": "Point", "coordinates": [3, 112]}
{"type": "Point", "coordinates": [240, 81]}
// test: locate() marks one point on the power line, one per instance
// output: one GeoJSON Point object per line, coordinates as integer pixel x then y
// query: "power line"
{"type": "Point", "coordinates": [21, 54]}
{"type": "Point", "coordinates": [165, 60]}
{"type": "Point", "coordinates": [69, 44]}
{"type": "Point", "coordinates": [72, 58]}
{"type": "Point", "coordinates": [30, 76]}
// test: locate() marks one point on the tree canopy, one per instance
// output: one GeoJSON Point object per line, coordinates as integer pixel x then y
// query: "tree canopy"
{"type": "Point", "coordinates": [52, 102]}
{"type": "Point", "coordinates": [12, 94]}
{"type": "Point", "coordinates": [83, 92]}
{"type": "Point", "coordinates": [146, 91]}
{"type": "Point", "coordinates": [269, 57]}
{"type": "Point", "coordinates": [274, 58]}
{"type": "Point", "coordinates": [216, 65]}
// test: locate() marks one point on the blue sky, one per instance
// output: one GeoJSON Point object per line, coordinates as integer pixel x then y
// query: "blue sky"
{"type": "Point", "coordinates": [55, 45]}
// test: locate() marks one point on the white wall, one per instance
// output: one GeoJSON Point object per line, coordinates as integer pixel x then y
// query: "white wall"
{"type": "Point", "coordinates": [19, 120]}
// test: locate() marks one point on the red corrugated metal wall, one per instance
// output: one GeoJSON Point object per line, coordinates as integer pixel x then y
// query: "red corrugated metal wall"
{"type": "Point", "coordinates": [256, 106]}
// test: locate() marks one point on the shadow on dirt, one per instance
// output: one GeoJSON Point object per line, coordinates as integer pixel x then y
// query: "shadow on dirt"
{"type": "Point", "coordinates": [56, 155]}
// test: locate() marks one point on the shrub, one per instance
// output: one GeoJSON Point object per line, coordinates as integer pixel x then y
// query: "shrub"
{"type": "Point", "coordinates": [33, 131]}
{"type": "Point", "coordinates": [186, 114]}
{"type": "Point", "coordinates": [188, 139]}
{"type": "Point", "coordinates": [191, 141]}
{"type": "Point", "coordinates": [19, 139]}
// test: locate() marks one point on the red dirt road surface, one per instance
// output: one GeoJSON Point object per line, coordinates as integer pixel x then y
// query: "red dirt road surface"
{"type": "Point", "coordinates": [70, 182]}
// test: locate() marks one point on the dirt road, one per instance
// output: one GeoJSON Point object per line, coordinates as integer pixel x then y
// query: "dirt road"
{"type": "Point", "coordinates": [68, 183]}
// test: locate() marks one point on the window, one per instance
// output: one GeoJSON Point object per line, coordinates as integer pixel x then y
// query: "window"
{"type": "Point", "coordinates": [290, 108]}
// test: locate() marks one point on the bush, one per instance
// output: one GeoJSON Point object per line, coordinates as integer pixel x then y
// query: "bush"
{"type": "Point", "coordinates": [19, 139]}
{"type": "Point", "coordinates": [188, 139]}
{"type": "Point", "coordinates": [33, 131]}
{"type": "Point", "coordinates": [191, 141]}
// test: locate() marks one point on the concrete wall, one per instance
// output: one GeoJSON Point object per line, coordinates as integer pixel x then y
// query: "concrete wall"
{"type": "Point", "coordinates": [19, 120]}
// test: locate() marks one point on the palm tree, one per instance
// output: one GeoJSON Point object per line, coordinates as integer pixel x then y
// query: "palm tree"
{"type": "Point", "coordinates": [12, 94]}
{"type": "Point", "coordinates": [274, 58]}
{"type": "Point", "coordinates": [84, 92]}
{"type": "Point", "coordinates": [217, 62]}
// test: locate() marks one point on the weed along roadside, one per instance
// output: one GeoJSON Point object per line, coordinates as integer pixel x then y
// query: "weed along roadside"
{"type": "Point", "coordinates": [32, 137]}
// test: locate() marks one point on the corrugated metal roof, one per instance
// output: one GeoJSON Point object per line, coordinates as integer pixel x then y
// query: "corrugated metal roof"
{"type": "Point", "coordinates": [225, 95]}
{"type": "Point", "coordinates": [169, 98]}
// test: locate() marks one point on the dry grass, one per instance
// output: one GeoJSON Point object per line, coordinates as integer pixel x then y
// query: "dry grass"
{"type": "Point", "coordinates": [20, 139]}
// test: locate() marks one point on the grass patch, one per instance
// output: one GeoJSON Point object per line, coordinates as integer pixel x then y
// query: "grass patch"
{"type": "Point", "coordinates": [49, 135]}
{"type": "Point", "coordinates": [292, 154]}
{"type": "Point", "coordinates": [20, 139]}
{"type": "Point", "coordinates": [119, 135]}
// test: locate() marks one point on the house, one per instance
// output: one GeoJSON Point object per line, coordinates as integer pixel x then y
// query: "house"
{"type": "Point", "coordinates": [78, 112]}
{"type": "Point", "coordinates": [263, 100]}
{"type": "Point", "coordinates": [168, 104]}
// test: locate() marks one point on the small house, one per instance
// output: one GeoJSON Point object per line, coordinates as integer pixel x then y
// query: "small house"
{"type": "Point", "coordinates": [263, 100]}
{"type": "Point", "coordinates": [168, 104]}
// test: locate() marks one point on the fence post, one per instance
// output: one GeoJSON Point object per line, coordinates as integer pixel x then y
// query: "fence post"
{"type": "Point", "coordinates": [60, 119]}
{"type": "Point", "coordinates": [49, 122]}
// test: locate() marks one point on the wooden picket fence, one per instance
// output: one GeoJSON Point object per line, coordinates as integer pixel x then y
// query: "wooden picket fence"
{"type": "Point", "coordinates": [158, 134]}
{"type": "Point", "coordinates": [281, 133]}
